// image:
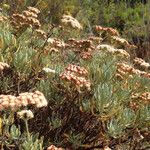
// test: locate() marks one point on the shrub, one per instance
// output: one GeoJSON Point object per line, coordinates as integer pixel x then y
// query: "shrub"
{"type": "Point", "coordinates": [75, 93]}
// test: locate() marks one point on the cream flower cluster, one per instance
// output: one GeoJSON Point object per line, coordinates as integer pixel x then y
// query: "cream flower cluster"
{"type": "Point", "coordinates": [122, 53]}
{"type": "Point", "coordinates": [48, 70]}
{"type": "Point", "coordinates": [120, 41]}
{"type": "Point", "coordinates": [3, 66]}
{"type": "Point", "coordinates": [69, 21]}
{"type": "Point", "coordinates": [53, 147]}
{"type": "Point", "coordinates": [76, 75]}
{"type": "Point", "coordinates": [140, 62]}
{"type": "Point", "coordinates": [24, 99]}
{"type": "Point", "coordinates": [112, 50]}
{"type": "Point", "coordinates": [106, 47]}
{"type": "Point", "coordinates": [107, 148]}
{"type": "Point", "coordinates": [25, 114]}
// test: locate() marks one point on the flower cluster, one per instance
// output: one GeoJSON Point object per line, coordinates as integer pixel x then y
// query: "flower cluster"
{"type": "Point", "coordinates": [25, 114]}
{"type": "Point", "coordinates": [84, 48]}
{"type": "Point", "coordinates": [69, 21]}
{"type": "Point", "coordinates": [122, 53]}
{"type": "Point", "coordinates": [41, 33]}
{"type": "Point", "coordinates": [133, 105]}
{"type": "Point", "coordinates": [95, 39]}
{"type": "Point", "coordinates": [114, 38]}
{"type": "Point", "coordinates": [3, 18]}
{"type": "Point", "coordinates": [3, 66]}
{"type": "Point", "coordinates": [33, 10]}
{"type": "Point", "coordinates": [108, 30]}
{"type": "Point", "coordinates": [76, 75]}
{"type": "Point", "coordinates": [124, 69]}
{"type": "Point", "coordinates": [36, 98]}
{"type": "Point", "coordinates": [54, 45]}
{"type": "Point", "coordinates": [52, 147]}
{"type": "Point", "coordinates": [143, 97]}
{"type": "Point", "coordinates": [138, 99]}
{"type": "Point", "coordinates": [28, 18]}
{"type": "Point", "coordinates": [77, 69]}
{"type": "Point", "coordinates": [140, 62]}
{"type": "Point", "coordinates": [107, 148]}
{"type": "Point", "coordinates": [120, 41]}
{"type": "Point", "coordinates": [24, 99]}
{"type": "Point", "coordinates": [82, 44]}
{"type": "Point", "coordinates": [48, 70]}
{"type": "Point", "coordinates": [55, 42]}
{"type": "Point", "coordinates": [8, 101]}
{"type": "Point", "coordinates": [112, 50]}
{"type": "Point", "coordinates": [86, 55]}
{"type": "Point", "coordinates": [106, 48]}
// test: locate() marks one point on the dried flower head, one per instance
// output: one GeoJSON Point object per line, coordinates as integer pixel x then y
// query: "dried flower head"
{"type": "Point", "coordinates": [86, 55]}
{"type": "Point", "coordinates": [119, 41]}
{"type": "Point", "coordinates": [48, 50]}
{"type": "Point", "coordinates": [96, 40]}
{"type": "Point", "coordinates": [138, 99]}
{"type": "Point", "coordinates": [144, 98]}
{"type": "Point", "coordinates": [34, 10]}
{"type": "Point", "coordinates": [25, 114]}
{"type": "Point", "coordinates": [83, 48]}
{"type": "Point", "coordinates": [28, 18]}
{"type": "Point", "coordinates": [140, 62]}
{"type": "Point", "coordinates": [41, 33]}
{"type": "Point", "coordinates": [134, 106]}
{"type": "Point", "coordinates": [80, 44]}
{"type": "Point", "coordinates": [53, 147]}
{"type": "Point", "coordinates": [29, 14]}
{"type": "Point", "coordinates": [68, 20]}
{"type": "Point", "coordinates": [112, 32]}
{"type": "Point", "coordinates": [55, 42]}
{"type": "Point", "coordinates": [107, 148]}
{"type": "Point", "coordinates": [77, 69]}
{"type": "Point", "coordinates": [3, 66]}
{"type": "Point", "coordinates": [3, 18]}
{"type": "Point", "coordinates": [125, 69]}
{"type": "Point", "coordinates": [122, 53]}
{"type": "Point", "coordinates": [109, 31]}
{"type": "Point", "coordinates": [76, 75]}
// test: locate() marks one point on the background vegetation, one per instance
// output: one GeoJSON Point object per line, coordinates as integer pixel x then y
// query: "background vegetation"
{"type": "Point", "coordinates": [130, 17]}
